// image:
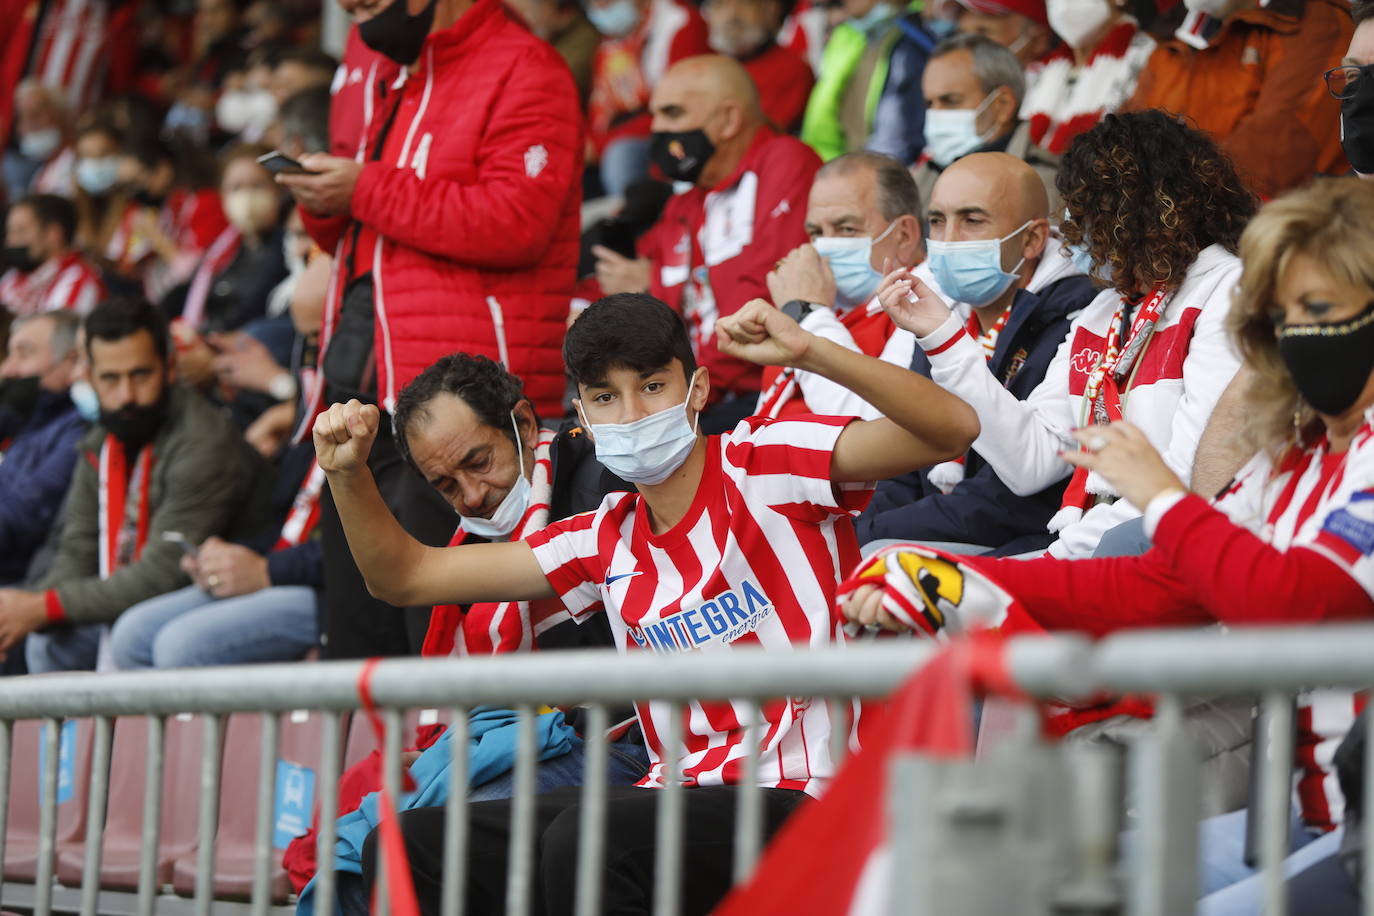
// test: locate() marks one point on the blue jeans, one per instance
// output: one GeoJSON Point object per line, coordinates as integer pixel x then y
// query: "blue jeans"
{"type": "Point", "coordinates": [189, 628]}
{"type": "Point", "coordinates": [1231, 887]}
{"type": "Point", "coordinates": [67, 647]}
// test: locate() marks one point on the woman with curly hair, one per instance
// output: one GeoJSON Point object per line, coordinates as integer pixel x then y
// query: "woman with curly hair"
{"type": "Point", "coordinates": [1289, 541]}
{"type": "Point", "coordinates": [1158, 210]}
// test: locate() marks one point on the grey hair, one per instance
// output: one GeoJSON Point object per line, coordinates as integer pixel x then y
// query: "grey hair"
{"type": "Point", "coordinates": [897, 191]}
{"type": "Point", "coordinates": [993, 64]}
{"type": "Point", "coordinates": [305, 116]}
{"type": "Point", "coordinates": [64, 327]}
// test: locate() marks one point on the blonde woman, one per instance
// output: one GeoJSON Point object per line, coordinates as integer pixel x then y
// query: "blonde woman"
{"type": "Point", "coordinates": [1291, 539]}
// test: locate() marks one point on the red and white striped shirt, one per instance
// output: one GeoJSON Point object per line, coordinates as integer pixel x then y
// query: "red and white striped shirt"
{"type": "Point", "coordinates": [755, 561]}
{"type": "Point", "coordinates": [69, 282]}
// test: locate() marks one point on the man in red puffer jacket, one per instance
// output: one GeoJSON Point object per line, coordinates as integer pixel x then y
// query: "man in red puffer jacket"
{"type": "Point", "coordinates": [454, 228]}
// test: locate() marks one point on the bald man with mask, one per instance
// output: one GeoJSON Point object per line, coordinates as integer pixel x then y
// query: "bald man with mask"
{"type": "Point", "coordinates": [740, 209]}
{"type": "Point", "coordinates": [991, 252]}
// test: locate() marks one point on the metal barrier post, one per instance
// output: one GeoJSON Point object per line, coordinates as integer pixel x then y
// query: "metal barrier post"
{"type": "Point", "coordinates": [152, 818]}
{"type": "Point", "coordinates": [47, 818]}
{"type": "Point", "coordinates": [521, 875]}
{"type": "Point", "coordinates": [6, 734]}
{"type": "Point", "coordinates": [208, 825]}
{"type": "Point", "coordinates": [330, 752]}
{"type": "Point", "coordinates": [1275, 800]}
{"type": "Point", "coordinates": [591, 825]}
{"type": "Point", "coordinates": [452, 901]}
{"type": "Point", "coordinates": [668, 829]}
{"type": "Point", "coordinates": [95, 815]}
{"type": "Point", "coordinates": [1163, 880]}
{"type": "Point", "coordinates": [392, 743]}
{"type": "Point", "coordinates": [840, 723]}
{"type": "Point", "coordinates": [267, 796]}
{"type": "Point", "coordinates": [749, 810]}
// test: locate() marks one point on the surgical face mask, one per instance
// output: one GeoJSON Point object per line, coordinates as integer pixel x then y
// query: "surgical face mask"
{"type": "Point", "coordinates": [1076, 21]}
{"type": "Point", "coordinates": [874, 18]}
{"type": "Point", "coordinates": [1330, 363]}
{"type": "Point", "coordinates": [616, 19]}
{"type": "Point", "coordinates": [1357, 123]}
{"type": "Point", "coordinates": [972, 271]}
{"type": "Point", "coordinates": [86, 400]}
{"type": "Point", "coordinates": [40, 144]}
{"type": "Point", "coordinates": [952, 133]}
{"type": "Point", "coordinates": [1082, 259]}
{"type": "Point", "coordinates": [651, 448]}
{"type": "Point", "coordinates": [737, 40]}
{"type": "Point", "coordinates": [396, 34]}
{"type": "Point", "coordinates": [252, 210]}
{"type": "Point", "coordinates": [97, 176]}
{"type": "Point", "coordinates": [851, 261]}
{"type": "Point", "coordinates": [247, 112]}
{"type": "Point", "coordinates": [511, 509]}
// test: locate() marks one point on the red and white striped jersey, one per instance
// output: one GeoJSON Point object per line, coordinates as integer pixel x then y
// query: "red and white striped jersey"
{"type": "Point", "coordinates": [1324, 502]}
{"type": "Point", "coordinates": [72, 49]}
{"type": "Point", "coordinates": [755, 562]}
{"type": "Point", "coordinates": [70, 282]}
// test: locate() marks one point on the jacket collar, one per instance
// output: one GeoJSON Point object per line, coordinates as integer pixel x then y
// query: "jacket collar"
{"type": "Point", "coordinates": [747, 161]}
{"type": "Point", "coordinates": [467, 34]}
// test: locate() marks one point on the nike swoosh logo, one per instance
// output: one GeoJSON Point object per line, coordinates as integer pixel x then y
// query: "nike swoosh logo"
{"type": "Point", "coordinates": [611, 579]}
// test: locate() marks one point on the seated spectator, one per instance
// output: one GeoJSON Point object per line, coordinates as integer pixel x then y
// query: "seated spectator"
{"type": "Point", "coordinates": [160, 459]}
{"type": "Point", "coordinates": [868, 89]}
{"type": "Point", "coordinates": [973, 89]}
{"type": "Point", "coordinates": [1017, 300]}
{"type": "Point", "coordinates": [701, 515]}
{"type": "Point", "coordinates": [1288, 542]}
{"type": "Point", "coordinates": [1020, 26]}
{"type": "Point", "coordinates": [299, 69]}
{"type": "Point", "coordinates": [107, 214]}
{"type": "Point", "coordinates": [1092, 73]}
{"type": "Point", "coordinates": [41, 427]}
{"type": "Point", "coordinates": [640, 40]}
{"type": "Point", "coordinates": [1243, 72]}
{"type": "Point", "coordinates": [44, 272]}
{"type": "Point", "coordinates": [863, 214]}
{"type": "Point", "coordinates": [747, 30]}
{"type": "Point", "coordinates": [246, 108]}
{"type": "Point", "coordinates": [1351, 84]}
{"type": "Point", "coordinates": [1152, 350]}
{"type": "Point", "coordinates": [563, 24]}
{"type": "Point", "coordinates": [43, 162]}
{"type": "Point", "coordinates": [710, 131]}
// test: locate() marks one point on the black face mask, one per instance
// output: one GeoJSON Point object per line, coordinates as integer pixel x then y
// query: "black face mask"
{"type": "Point", "coordinates": [396, 34]}
{"type": "Point", "coordinates": [681, 154]}
{"type": "Point", "coordinates": [135, 425]}
{"type": "Point", "coordinates": [1330, 363]}
{"type": "Point", "coordinates": [20, 395]}
{"type": "Point", "coordinates": [21, 259]}
{"type": "Point", "coordinates": [1357, 124]}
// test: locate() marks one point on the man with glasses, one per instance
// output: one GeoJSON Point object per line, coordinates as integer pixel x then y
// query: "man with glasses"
{"type": "Point", "coordinates": [1353, 83]}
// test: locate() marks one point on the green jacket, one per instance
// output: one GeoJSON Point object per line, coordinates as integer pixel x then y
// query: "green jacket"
{"type": "Point", "coordinates": [205, 481]}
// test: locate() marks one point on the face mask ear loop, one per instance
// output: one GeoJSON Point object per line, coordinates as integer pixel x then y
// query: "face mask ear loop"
{"type": "Point", "coordinates": [696, 421]}
{"type": "Point", "coordinates": [519, 444]}
{"type": "Point", "coordinates": [886, 232]}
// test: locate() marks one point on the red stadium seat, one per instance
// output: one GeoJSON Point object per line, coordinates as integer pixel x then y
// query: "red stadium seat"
{"type": "Point", "coordinates": [21, 837]}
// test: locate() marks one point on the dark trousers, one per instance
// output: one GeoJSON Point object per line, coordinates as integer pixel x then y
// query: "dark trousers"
{"type": "Point", "coordinates": [628, 874]}
{"type": "Point", "coordinates": [353, 623]}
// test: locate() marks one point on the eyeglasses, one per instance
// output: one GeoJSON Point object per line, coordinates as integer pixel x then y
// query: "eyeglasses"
{"type": "Point", "coordinates": [1344, 81]}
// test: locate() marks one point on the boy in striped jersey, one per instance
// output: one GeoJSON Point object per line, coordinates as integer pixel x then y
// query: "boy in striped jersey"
{"type": "Point", "coordinates": [729, 540]}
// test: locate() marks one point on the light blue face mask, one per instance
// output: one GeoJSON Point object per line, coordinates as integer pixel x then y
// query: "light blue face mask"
{"type": "Point", "coordinates": [511, 509]}
{"type": "Point", "coordinates": [871, 20]}
{"type": "Point", "coordinates": [616, 19]}
{"type": "Point", "coordinates": [648, 450]}
{"type": "Point", "coordinates": [1082, 259]}
{"type": "Point", "coordinates": [97, 176]}
{"type": "Point", "coordinates": [86, 400]}
{"type": "Point", "coordinates": [851, 261]}
{"type": "Point", "coordinates": [972, 271]}
{"type": "Point", "coordinates": [952, 133]}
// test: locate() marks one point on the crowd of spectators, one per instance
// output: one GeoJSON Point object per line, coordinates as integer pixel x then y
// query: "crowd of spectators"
{"type": "Point", "coordinates": [717, 299]}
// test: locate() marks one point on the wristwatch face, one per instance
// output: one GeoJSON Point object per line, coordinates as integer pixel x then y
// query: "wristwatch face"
{"type": "Point", "coordinates": [797, 309]}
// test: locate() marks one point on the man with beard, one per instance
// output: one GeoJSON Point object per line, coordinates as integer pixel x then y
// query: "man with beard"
{"type": "Point", "coordinates": [747, 30]}
{"type": "Point", "coordinates": [41, 427]}
{"type": "Point", "coordinates": [159, 460]}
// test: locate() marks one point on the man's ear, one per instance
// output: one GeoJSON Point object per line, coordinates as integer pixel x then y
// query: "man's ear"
{"type": "Point", "coordinates": [731, 116]}
{"type": "Point", "coordinates": [1006, 107]}
{"type": "Point", "coordinates": [1037, 238]}
{"type": "Point", "coordinates": [526, 422]}
{"type": "Point", "coordinates": [910, 242]}
{"type": "Point", "coordinates": [700, 391]}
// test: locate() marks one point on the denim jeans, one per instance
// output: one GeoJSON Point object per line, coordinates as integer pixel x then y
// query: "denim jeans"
{"type": "Point", "coordinates": [189, 628]}
{"type": "Point", "coordinates": [1232, 887]}
{"type": "Point", "coordinates": [66, 647]}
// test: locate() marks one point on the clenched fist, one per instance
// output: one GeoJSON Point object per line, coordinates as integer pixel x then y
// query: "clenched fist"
{"type": "Point", "coordinates": [761, 334]}
{"type": "Point", "coordinates": [344, 434]}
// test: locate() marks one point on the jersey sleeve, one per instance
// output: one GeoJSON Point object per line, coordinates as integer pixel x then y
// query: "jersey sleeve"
{"type": "Point", "coordinates": [1346, 535]}
{"type": "Point", "coordinates": [786, 464]}
{"type": "Point", "coordinates": [567, 553]}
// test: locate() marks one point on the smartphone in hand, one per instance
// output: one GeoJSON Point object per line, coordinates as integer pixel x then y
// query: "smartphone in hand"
{"type": "Point", "coordinates": [278, 163]}
{"type": "Point", "coordinates": [176, 537]}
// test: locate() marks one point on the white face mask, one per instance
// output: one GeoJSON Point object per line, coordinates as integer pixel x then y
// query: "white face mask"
{"type": "Point", "coordinates": [246, 112]}
{"type": "Point", "coordinates": [1076, 21]}
{"type": "Point", "coordinates": [40, 144]}
{"type": "Point", "coordinates": [512, 509]}
{"type": "Point", "coordinates": [651, 448]}
{"type": "Point", "coordinates": [952, 133]}
{"type": "Point", "coordinates": [252, 210]}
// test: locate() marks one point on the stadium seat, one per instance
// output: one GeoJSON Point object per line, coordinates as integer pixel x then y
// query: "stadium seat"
{"type": "Point", "coordinates": [21, 837]}
{"type": "Point", "coordinates": [124, 817]}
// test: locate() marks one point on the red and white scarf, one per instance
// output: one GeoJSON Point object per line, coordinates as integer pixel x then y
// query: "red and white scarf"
{"type": "Point", "coordinates": [118, 488]}
{"type": "Point", "coordinates": [217, 257]}
{"type": "Point", "coordinates": [305, 510]}
{"type": "Point", "coordinates": [491, 628]}
{"type": "Point", "coordinates": [947, 475]}
{"type": "Point", "coordinates": [1106, 386]}
{"type": "Point", "coordinates": [1065, 100]}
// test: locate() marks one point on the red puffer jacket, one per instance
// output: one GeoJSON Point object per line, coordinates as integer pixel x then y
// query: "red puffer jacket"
{"type": "Point", "coordinates": [470, 217]}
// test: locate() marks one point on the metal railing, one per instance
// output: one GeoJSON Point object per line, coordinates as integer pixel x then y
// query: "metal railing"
{"type": "Point", "coordinates": [1175, 665]}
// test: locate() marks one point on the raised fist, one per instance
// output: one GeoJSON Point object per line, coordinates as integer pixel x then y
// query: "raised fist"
{"type": "Point", "coordinates": [761, 334]}
{"type": "Point", "coordinates": [344, 434]}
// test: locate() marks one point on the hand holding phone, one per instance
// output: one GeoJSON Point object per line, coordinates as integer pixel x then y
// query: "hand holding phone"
{"type": "Point", "coordinates": [176, 537]}
{"type": "Point", "coordinates": [279, 163]}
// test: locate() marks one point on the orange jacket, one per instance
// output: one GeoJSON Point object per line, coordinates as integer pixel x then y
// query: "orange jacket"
{"type": "Point", "coordinates": [1258, 89]}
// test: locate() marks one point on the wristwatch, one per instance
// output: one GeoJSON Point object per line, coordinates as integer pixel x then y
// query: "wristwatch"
{"type": "Point", "coordinates": [798, 309]}
{"type": "Point", "coordinates": [283, 386]}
